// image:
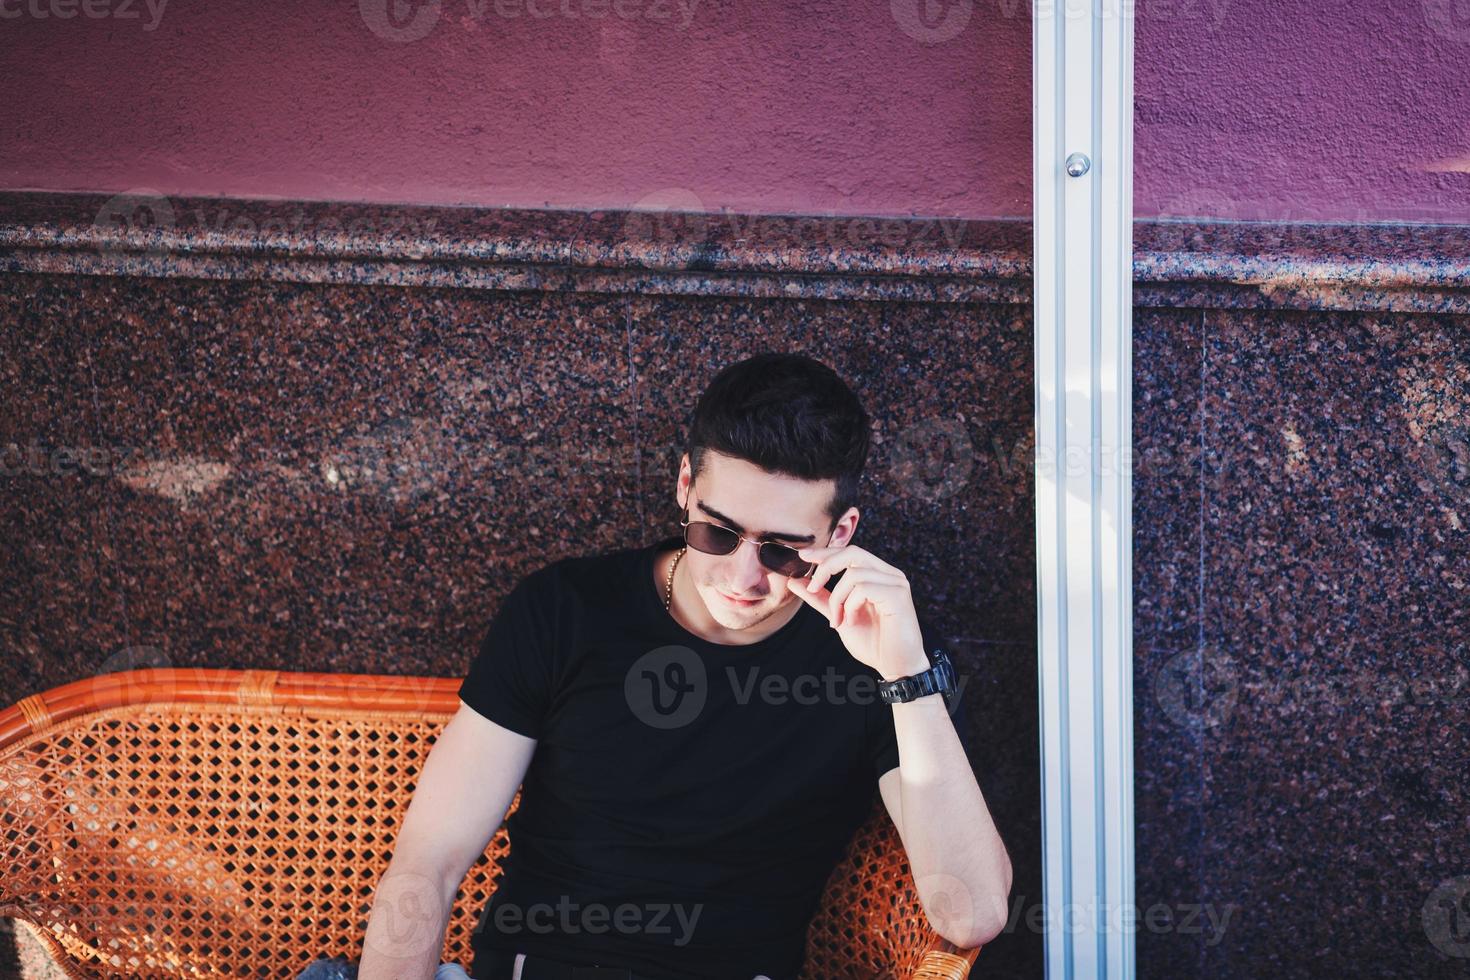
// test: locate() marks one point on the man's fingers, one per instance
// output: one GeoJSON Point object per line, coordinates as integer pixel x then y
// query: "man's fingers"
{"type": "Point", "coordinates": [830, 561]}
{"type": "Point", "coordinates": [817, 600]}
{"type": "Point", "coordinates": [857, 576]}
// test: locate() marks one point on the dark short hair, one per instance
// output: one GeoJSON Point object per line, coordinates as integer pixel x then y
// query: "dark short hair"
{"type": "Point", "coordinates": [788, 414]}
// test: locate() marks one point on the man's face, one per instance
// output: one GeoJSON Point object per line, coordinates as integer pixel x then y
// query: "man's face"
{"type": "Point", "coordinates": [763, 506]}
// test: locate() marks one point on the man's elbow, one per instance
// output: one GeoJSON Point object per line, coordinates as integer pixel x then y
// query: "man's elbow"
{"type": "Point", "coordinates": [975, 923]}
{"type": "Point", "coordinates": [979, 933]}
{"type": "Point", "coordinates": [982, 936]}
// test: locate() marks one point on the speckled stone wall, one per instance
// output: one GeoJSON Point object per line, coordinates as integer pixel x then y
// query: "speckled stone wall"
{"type": "Point", "coordinates": [1302, 619]}
{"type": "Point", "coordinates": [328, 437]}
{"type": "Point", "coordinates": [337, 446]}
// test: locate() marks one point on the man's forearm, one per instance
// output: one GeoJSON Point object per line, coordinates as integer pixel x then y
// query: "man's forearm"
{"type": "Point", "coordinates": [406, 928]}
{"type": "Point", "coordinates": [959, 862]}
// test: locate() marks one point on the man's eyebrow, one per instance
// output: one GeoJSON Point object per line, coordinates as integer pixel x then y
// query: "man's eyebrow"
{"type": "Point", "coordinates": [772, 535]}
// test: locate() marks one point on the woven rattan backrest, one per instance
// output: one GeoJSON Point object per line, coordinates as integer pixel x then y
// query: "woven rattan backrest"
{"type": "Point", "coordinates": [195, 822]}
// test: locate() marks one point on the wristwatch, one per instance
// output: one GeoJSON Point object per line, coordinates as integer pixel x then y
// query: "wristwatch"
{"type": "Point", "coordinates": [938, 679]}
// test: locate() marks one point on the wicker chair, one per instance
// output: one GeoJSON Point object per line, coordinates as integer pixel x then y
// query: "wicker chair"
{"type": "Point", "coordinates": [172, 822]}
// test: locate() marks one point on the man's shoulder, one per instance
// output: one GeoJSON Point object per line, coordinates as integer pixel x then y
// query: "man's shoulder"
{"type": "Point", "coordinates": [583, 564]}
{"type": "Point", "coordinates": [586, 574]}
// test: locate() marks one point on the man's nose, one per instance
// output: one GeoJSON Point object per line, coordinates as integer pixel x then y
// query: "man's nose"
{"type": "Point", "coordinates": [751, 571]}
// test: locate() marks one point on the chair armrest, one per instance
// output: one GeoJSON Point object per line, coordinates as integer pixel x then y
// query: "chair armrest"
{"type": "Point", "coordinates": [946, 962]}
{"type": "Point", "coordinates": [870, 921]}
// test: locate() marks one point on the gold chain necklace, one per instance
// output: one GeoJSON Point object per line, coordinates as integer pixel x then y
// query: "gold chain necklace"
{"type": "Point", "coordinates": [669, 586]}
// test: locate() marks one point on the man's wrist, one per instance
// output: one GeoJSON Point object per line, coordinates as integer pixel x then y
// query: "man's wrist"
{"type": "Point", "coordinates": [915, 664]}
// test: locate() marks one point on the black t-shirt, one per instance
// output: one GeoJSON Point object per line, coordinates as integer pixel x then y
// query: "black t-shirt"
{"type": "Point", "coordinates": [686, 800]}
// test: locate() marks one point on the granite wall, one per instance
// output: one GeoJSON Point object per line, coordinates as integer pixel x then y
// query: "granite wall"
{"type": "Point", "coordinates": [327, 437]}
{"type": "Point", "coordinates": [1302, 622]}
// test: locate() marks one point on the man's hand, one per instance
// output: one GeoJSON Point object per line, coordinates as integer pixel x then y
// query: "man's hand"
{"type": "Point", "coordinates": [871, 609]}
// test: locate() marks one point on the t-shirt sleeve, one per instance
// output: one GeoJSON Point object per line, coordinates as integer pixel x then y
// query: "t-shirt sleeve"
{"type": "Point", "coordinates": [510, 680]}
{"type": "Point", "coordinates": [883, 736]}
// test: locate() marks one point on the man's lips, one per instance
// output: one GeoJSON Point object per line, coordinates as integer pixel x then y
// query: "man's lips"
{"type": "Point", "coordinates": [741, 602]}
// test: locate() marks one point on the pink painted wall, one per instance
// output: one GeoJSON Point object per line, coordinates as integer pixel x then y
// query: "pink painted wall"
{"type": "Point", "coordinates": [1246, 108]}
{"type": "Point", "coordinates": [767, 106]}
{"type": "Point", "coordinates": [1337, 110]}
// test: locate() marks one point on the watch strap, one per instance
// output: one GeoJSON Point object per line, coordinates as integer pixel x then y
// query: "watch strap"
{"type": "Point", "coordinates": [937, 679]}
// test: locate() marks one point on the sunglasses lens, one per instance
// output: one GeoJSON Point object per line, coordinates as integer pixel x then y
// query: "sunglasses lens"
{"type": "Point", "coordinates": [715, 540]}
{"type": "Point", "coordinates": [710, 538]}
{"type": "Point", "coordinates": [784, 561]}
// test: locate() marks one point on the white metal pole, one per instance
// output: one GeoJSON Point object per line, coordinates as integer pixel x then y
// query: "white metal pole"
{"type": "Point", "coordinates": [1082, 99]}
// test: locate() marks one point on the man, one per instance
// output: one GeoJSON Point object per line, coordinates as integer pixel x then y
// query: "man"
{"type": "Point", "coordinates": [696, 729]}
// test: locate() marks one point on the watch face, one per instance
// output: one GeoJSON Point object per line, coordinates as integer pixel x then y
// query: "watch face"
{"type": "Point", "coordinates": [946, 671]}
{"type": "Point", "coordinates": [938, 658]}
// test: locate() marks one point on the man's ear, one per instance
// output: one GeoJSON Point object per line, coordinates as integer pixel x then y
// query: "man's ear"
{"type": "Point", "coordinates": [682, 483]}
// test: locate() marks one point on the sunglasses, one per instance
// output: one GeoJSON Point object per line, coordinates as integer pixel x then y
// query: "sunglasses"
{"type": "Point", "coordinates": [715, 539]}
